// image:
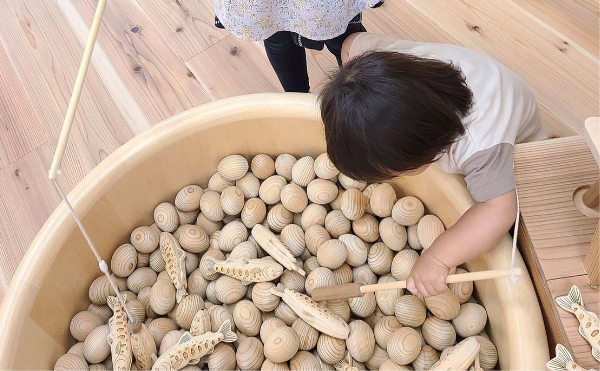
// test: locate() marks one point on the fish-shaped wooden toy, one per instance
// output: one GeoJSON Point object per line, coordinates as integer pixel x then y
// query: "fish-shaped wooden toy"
{"type": "Point", "coordinates": [190, 349]}
{"type": "Point", "coordinates": [346, 364]}
{"type": "Point", "coordinates": [589, 325]}
{"type": "Point", "coordinates": [459, 357]}
{"type": "Point", "coordinates": [247, 271]}
{"type": "Point", "coordinates": [564, 361]}
{"type": "Point", "coordinates": [174, 257]}
{"type": "Point", "coordinates": [318, 316]}
{"type": "Point", "coordinates": [119, 337]}
{"type": "Point", "coordinates": [143, 348]}
{"type": "Point", "coordinates": [274, 247]}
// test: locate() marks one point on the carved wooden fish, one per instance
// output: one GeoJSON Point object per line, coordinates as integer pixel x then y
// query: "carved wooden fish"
{"type": "Point", "coordinates": [274, 247]}
{"type": "Point", "coordinates": [312, 313]}
{"type": "Point", "coordinates": [174, 257]}
{"type": "Point", "coordinates": [190, 349]}
{"type": "Point", "coordinates": [119, 337]}
{"type": "Point", "coordinates": [143, 348]}
{"type": "Point", "coordinates": [589, 325]}
{"type": "Point", "coordinates": [247, 271]}
{"type": "Point", "coordinates": [459, 357]}
{"type": "Point", "coordinates": [564, 361]}
{"type": "Point", "coordinates": [346, 364]}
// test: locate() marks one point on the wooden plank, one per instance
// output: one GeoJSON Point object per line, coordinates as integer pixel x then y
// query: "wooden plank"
{"type": "Point", "coordinates": [592, 259]}
{"type": "Point", "coordinates": [576, 20]}
{"type": "Point", "coordinates": [591, 133]}
{"type": "Point", "coordinates": [188, 26]}
{"type": "Point", "coordinates": [502, 31]}
{"type": "Point", "coordinates": [234, 67]}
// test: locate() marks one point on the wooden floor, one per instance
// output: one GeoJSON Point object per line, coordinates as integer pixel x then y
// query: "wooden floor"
{"type": "Point", "coordinates": [157, 58]}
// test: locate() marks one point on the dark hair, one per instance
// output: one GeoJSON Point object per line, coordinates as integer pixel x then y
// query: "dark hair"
{"type": "Point", "coordinates": [386, 113]}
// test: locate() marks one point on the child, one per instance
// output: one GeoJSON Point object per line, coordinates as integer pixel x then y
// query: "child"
{"type": "Point", "coordinates": [404, 105]}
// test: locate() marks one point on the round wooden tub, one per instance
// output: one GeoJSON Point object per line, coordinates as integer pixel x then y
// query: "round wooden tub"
{"type": "Point", "coordinates": [52, 281]}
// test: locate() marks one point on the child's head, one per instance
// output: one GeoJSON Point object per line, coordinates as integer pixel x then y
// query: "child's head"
{"type": "Point", "coordinates": [386, 113]}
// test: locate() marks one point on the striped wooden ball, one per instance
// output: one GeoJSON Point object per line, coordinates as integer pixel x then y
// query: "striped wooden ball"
{"type": "Point", "coordinates": [166, 217]}
{"type": "Point", "coordinates": [341, 308]}
{"type": "Point", "coordinates": [336, 204]}
{"type": "Point", "coordinates": [254, 212]}
{"type": "Point", "coordinates": [263, 298]}
{"type": "Point", "coordinates": [379, 356]}
{"type": "Point", "coordinates": [410, 311]}
{"type": "Point", "coordinates": [285, 313]}
{"type": "Point", "coordinates": [207, 225]}
{"type": "Point", "coordinates": [337, 224]}
{"type": "Point", "coordinates": [488, 354]}
{"type": "Point", "coordinates": [83, 323]}
{"type": "Point", "coordinates": [193, 239]}
{"type": "Point", "coordinates": [438, 333]}
{"type": "Point", "coordinates": [141, 278]}
{"type": "Point", "coordinates": [247, 318]}
{"type": "Point", "coordinates": [444, 305]}
{"type": "Point", "coordinates": [210, 204]}
{"type": "Point", "coordinates": [304, 361]}
{"type": "Point", "coordinates": [124, 260]}
{"type": "Point", "coordinates": [354, 204]}
{"type": "Point", "coordinates": [250, 354]}
{"type": "Point", "coordinates": [342, 275]}
{"type": "Point", "coordinates": [404, 345]}
{"type": "Point", "coordinates": [393, 234]}
{"type": "Point", "coordinates": [426, 358]}
{"type": "Point", "coordinates": [307, 334]}
{"type": "Point", "coordinates": [231, 235]}
{"type": "Point", "coordinates": [331, 350]}
{"type": "Point", "coordinates": [233, 167]}
{"type": "Point", "coordinates": [293, 280]}
{"type": "Point", "coordinates": [363, 306]}
{"type": "Point", "coordinates": [318, 277]}
{"type": "Point", "coordinates": [366, 227]}
{"type": "Point", "coordinates": [463, 290]}
{"type": "Point", "coordinates": [187, 217]}
{"type": "Point", "coordinates": [196, 284]}
{"type": "Point", "coordinates": [281, 345]}
{"type": "Point", "coordinates": [278, 217]}
{"type": "Point", "coordinates": [361, 341]}
{"type": "Point", "coordinates": [284, 164]}
{"type": "Point", "coordinates": [321, 191]}
{"type": "Point", "coordinates": [95, 346]}
{"type": "Point", "coordinates": [218, 184]}
{"type": "Point", "coordinates": [382, 200]}
{"type": "Point", "coordinates": [222, 357]}
{"type": "Point", "coordinates": [159, 327]}
{"type": "Point", "coordinates": [357, 250]}
{"type": "Point", "coordinates": [145, 239]}
{"type": "Point", "coordinates": [262, 166]}
{"type": "Point", "coordinates": [294, 198]}
{"type": "Point", "coordinates": [186, 309]}
{"type": "Point", "coordinates": [402, 264]}
{"type": "Point", "coordinates": [246, 249]}
{"type": "Point", "coordinates": [269, 325]}
{"type": "Point", "coordinates": [380, 258]}
{"type": "Point", "coordinates": [384, 329]}
{"type": "Point", "coordinates": [390, 365]}
{"type": "Point", "coordinates": [303, 171]}
{"type": "Point", "coordinates": [70, 362]}
{"type": "Point", "coordinates": [428, 229]}
{"type": "Point", "coordinates": [232, 200]}
{"type": "Point", "coordinates": [229, 290]}
{"type": "Point", "coordinates": [157, 262]}
{"type": "Point", "coordinates": [386, 299]}
{"type": "Point", "coordinates": [103, 311]}
{"type": "Point", "coordinates": [470, 321]}
{"type": "Point", "coordinates": [170, 339]}
{"type": "Point", "coordinates": [408, 210]}
{"type": "Point", "coordinates": [349, 183]}
{"type": "Point", "coordinates": [218, 315]}
{"type": "Point", "coordinates": [99, 290]}
{"type": "Point", "coordinates": [270, 366]}
{"type": "Point", "coordinates": [311, 264]}
{"type": "Point", "coordinates": [292, 236]}
{"type": "Point", "coordinates": [324, 168]}
{"type": "Point", "coordinates": [162, 297]}
{"type": "Point", "coordinates": [313, 214]}
{"type": "Point", "coordinates": [412, 237]}
{"type": "Point", "coordinates": [188, 198]}
{"type": "Point", "coordinates": [332, 254]}
{"type": "Point", "coordinates": [364, 274]}
{"type": "Point", "coordinates": [249, 185]}
{"type": "Point", "coordinates": [270, 189]}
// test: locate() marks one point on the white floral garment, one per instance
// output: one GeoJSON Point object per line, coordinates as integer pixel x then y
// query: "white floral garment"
{"type": "Point", "coordinates": [255, 20]}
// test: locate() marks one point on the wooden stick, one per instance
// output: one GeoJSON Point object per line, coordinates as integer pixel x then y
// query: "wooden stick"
{"type": "Point", "coordinates": [83, 67]}
{"type": "Point", "coordinates": [591, 197]}
{"type": "Point", "coordinates": [357, 289]}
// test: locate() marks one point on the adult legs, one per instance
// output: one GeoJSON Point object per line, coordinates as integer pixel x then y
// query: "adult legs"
{"type": "Point", "coordinates": [335, 45]}
{"type": "Point", "coordinates": [289, 61]}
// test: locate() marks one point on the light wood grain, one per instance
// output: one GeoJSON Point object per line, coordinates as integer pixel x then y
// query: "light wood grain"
{"type": "Point", "coordinates": [592, 259]}
{"type": "Point", "coordinates": [591, 133]}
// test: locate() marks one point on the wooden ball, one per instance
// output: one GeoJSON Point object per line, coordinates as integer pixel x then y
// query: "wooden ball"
{"type": "Point", "coordinates": [428, 229]}
{"type": "Point", "coordinates": [263, 298]}
{"type": "Point", "coordinates": [315, 236]}
{"type": "Point", "coordinates": [188, 198]}
{"type": "Point", "coordinates": [404, 345]}
{"type": "Point", "coordinates": [162, 297]}
{"type": "Point", "coordinates": [366, 227]}
{"type": "Point", "coordinates": [426, 358]}
{"type": "Point", "coordinates": [83, 323]}
{"type": "Point", "coordinates": [232, 234]}
{"type": "Point", "coordinates": [269, 325]}
{"type": "Point", "coordinates": [412, 237]}
{"type": "Point", "coordinates": [186, 217]}
{"type": "Point", "coordinates": [284, 164]}
{"type": "Point", "coordinates": [438, 333]}
{"type": "Point", "coordinates": [70, 362]}
{"type": "Point", "coordinates": [200, 323]}
{"type": "Point", "coordinates": [246, 249]}
{"type": "Point", "coordinates": [292, 236]}
{"type": "Point", "coordinates": [141, 278]}
{"type": "Point", "coordinates": [390, 365]}
{"type": "Point", "coordinates": [321, 191]}
{"type": "Point", "coordinates": [143, 260]}
{"type": "Point", "coordinates": [187, 309]}
{"type": "Point", "coordinates": [374, 318]}
{"type": "Point", "coordinates": [463, 290]}
{"type": "Point", "coordinates": [294, 198]}
{"type": "Point", "coordinates": [218, 316]}
{"type": "Point", "coordinates": [488, 354]}
{"type": "Point", "coordinates": [250, 354]}
{"type": "Point", "coordinates": [214, 241]}
{"type": "Point", "coordinates": [278, 217]}
{"type": "Point", "coordinates": [382, 200]}
{"type": "Point", "coordinates": [324, 168]}
{"type": "Point", "coordinates": [361, 341]}
{"type": "Point", "coordinates": [262, 166]}
{"type": "Point", "coordinates": [281, 345]}
{"type": "Point", "coordinates": [210, 204]}
{"type": "Point", "coordinates": [357, 250]}
{"type": "Point", "coordinates": [470, 321]}
{"type": "Point", "coordinates": [363, 306]}
{"type": "Point", "coordinates": [232, 200]}
{"type": "Point", "coordinates": [247, 318]}
{"type": "Point", "coordinates": [103, 311]}
{"type": "Point", "coordinates": [331, 350]}
{"type": "Point", "coordinates": [393, 234]}
{"type": "Point", "coordinates": [216, 255]}
{"type": "Point", "coordinates": [222, 358]}
{"type": "Point", "coordinates": [386, 299]}
{"type": "Point", "coordinates": [207, 225]}
{"type": "Point", "coordinates": [303, 171]}
{"type": "Point", "coordinates": [304, 361]}
{"type": "Point", "coordinates": [353, 204]}
{"type": "Point", "coordinates": [293, 280]}
{"type": "Point", "coordinates": [342, 275]}
{"type": "Point", "coordinates": [444, 306]}
{"type": "Point", "coordinates": [193, 239]}
{"type": "Point", "coordinates": [95, 346]}
{"type": "Point", "coordinates": [379, 356]}
{"type": "Point", "coordinates": [337, 224]}
{"type": "Point", "coordinates": [349, 183]}
{"type": "Point", "coordinates": [311, 264]}
{"type": "Point", "coordinates": [270, 366]}
{"type": "Point", "coordinates": [233, 167]}
{"type": "Point", "coordinates": [307, 334]}
{"type": "Point", "coordinates": [218, 184]}
{"type": "Point", "coordinates": [364, 274]}
{"type": "Point", "coordinates": [166, 217]}
{"type": "Point", "coordinates": [410, 311]}
{"type": "Point", "coordinates": [408, 210]}
{"type": "Point", "coordinates": [253, 212]}
{"type": "Point", "coordinates": [77, 349]}
{"type": "Point", "coordinates": [170, 339]}
{"type": "Point", "coordinates": [384, 329]}
{"type": "Point", "coordinates": [157, 262]}
{"type": "Point", "coordinates": [402, 264]}
{"type": "Point", "coordinates": [124, 260]}
{"type": "Point", "coordinates": [196, 284]}
{"type": "Point", "coordinates": [160, 327]}
{"type": "Point", "coordinates": [332, 254]}
{"type": "Point", "coordinates": [380, 258]}
{"type": "Point", "coordinates": [229, 290]}
{"type": "Point", "coordinates": [145, 239]}
{"type": "Point", "coordinates": [341, 308]}
{"type": "Point", "coordinates": [285, 313]}
{"type": "Point", "coordinates": [336, 204]}
{"type": "Point", "coordinates": [313, 214]}
{"type": "Point", "coordinates": [249, 185]}
{"type": "Point", "coordinates": [270, 189]}
{"type": "Point", "coordinates": [318, 277]}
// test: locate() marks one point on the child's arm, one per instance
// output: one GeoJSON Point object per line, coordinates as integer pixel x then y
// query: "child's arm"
{"type": "Point", "coordinates": [477, 231]}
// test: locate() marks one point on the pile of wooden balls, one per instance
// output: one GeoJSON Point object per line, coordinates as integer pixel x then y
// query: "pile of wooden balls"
{"type": "Point", "coordinates": [340, 230]}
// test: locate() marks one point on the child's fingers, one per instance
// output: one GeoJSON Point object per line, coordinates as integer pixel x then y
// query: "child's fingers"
{"type": "Point", "coordinates": [410, 285]}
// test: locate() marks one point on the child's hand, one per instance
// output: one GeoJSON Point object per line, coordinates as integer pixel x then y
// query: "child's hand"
{"type": "Point", "coordinates": [428, 276]}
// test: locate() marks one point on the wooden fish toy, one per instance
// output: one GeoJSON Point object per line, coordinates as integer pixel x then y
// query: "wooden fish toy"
{"type": "Point", "coordinates": [459, 357]}
{"type": "Point", "coordinates": [589, 325]}
{"type": "Point", "coordinates": [190, 349]}
{"type": "Point", "coordinates": [174, 257]}
{"type": "Point", "coordinates": [319, 317]}
{"type": "Point", "coordinates": [346, 364]}
{"type": "Point", "coordinates": [247, 271]}
{"type": "Point", "coordinates": [564, 361]}
{"type": "Point", "coordinates": [119, 337]}
{"type": "Point", "coordinates": [143, 348]}
{"type": "Point", "coordinates": [274, 247]}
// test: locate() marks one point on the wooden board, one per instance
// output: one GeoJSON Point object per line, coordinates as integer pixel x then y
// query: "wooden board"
{"type": "Point", "coordinates": [591, 133]}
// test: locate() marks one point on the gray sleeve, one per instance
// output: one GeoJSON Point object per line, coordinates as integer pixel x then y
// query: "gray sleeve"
{"type": "Point", "coordinates": [489, 173]}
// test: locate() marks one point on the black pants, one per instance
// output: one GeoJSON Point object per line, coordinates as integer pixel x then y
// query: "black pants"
{"type": "Point", "coordinates": [286, 52]}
